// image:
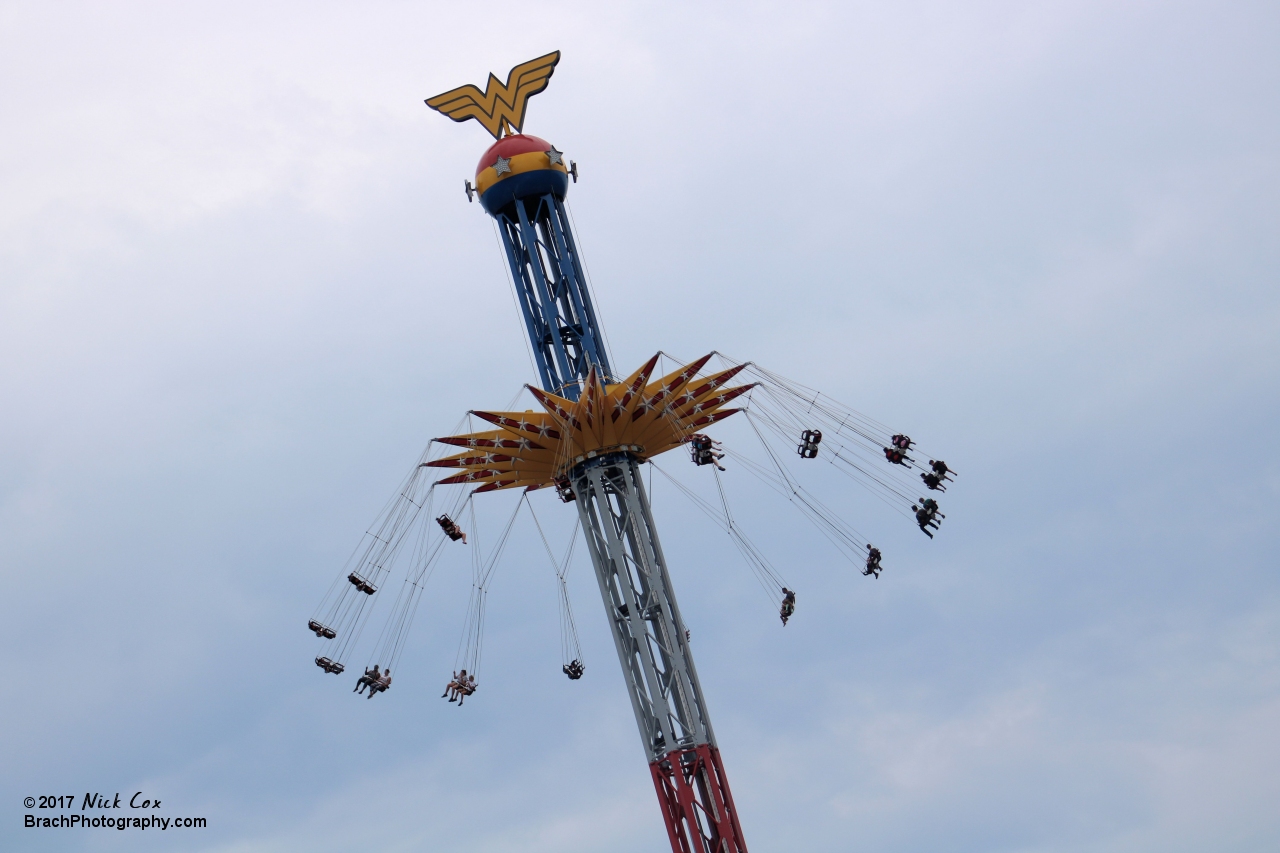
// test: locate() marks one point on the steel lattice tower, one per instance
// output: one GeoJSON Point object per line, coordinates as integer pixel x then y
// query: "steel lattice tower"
{"type": "Point", "coordinates": [635, 585]}
{"type": "Point", "coordinates": [522, 182]}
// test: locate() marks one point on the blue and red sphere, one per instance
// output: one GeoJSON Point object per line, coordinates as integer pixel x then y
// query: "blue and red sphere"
{"type": "Point", "coordinates": [519, 166]}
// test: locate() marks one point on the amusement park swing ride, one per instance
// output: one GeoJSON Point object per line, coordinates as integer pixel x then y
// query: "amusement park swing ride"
{"type": "Point", "coordinates": [596, 431]}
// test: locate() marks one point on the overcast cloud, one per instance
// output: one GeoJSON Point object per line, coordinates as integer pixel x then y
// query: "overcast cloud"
{"type": "Point", "coordinates": [241, 288]}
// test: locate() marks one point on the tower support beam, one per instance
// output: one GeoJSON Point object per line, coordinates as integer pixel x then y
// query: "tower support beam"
{"type": "Point", "coordinates": [653, 648]}
{"type": "Point", "coordinates": [527, 202]}
{"type": "Point", "coordinates": [552, 291]}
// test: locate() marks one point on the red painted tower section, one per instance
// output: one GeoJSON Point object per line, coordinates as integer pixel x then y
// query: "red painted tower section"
{"type": "Point", "coordinates": [696, 802]}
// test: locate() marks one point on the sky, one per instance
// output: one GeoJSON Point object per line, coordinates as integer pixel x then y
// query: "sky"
{"type": "Point", "coordinates": [241, 288]}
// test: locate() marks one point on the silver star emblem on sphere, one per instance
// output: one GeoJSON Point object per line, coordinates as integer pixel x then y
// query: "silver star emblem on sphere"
{"type": "Point", "coordinates": [503, 165]}
{"type": "Point", "coordinates": [556, 157]}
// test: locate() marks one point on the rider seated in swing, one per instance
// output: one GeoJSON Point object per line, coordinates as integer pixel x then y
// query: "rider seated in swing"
{"type": "Point", "coordinates": [452, 688]}
{"type": "Point", "coordinates": [705, 451]}
{"type": "Point", "coordinates": [927, 515]}
{"type": "Point", "coordinates": [924, 520]}
{"type": "Point", "coordinates": [451, 529]}
{"type": "Point", "coordinates": [362, 584]}
{"type": "Point", "coordinates": [369, 678]}
{"type": "Point", "coordinates": [933, 482]}
{"type": "Point", "coordinates": [574, 669]}
{"type": "Point", "coordinates": [329, 666]}
{"type": "Point", "coordinates": [941, 470]}
{"type": "Point", "coordinates": [564, 489]}
{"type": "Point", "coordinates": [466, 688]}
{"type": "Point", "coordinates": [788, 605]}
{"type": "Point", "coordinates": [321, 630]}
{"type": "Point", "coordinates": [873, 561]}
{"type": "Point", "coordinates": [897, 451]}
{"type": "Point", "coordinates": [380, 683]}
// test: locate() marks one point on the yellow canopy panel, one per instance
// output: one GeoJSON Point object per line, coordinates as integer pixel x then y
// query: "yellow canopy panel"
{"type": "Point", "coordinates": [532, 449]}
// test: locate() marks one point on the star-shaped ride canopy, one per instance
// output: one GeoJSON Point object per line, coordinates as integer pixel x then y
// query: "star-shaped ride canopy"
{"type": "Point", "coordinates": [635, 416]}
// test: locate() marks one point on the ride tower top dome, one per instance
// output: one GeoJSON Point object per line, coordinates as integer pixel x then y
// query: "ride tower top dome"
{"type": "Point", "coordinates": [520, 166]}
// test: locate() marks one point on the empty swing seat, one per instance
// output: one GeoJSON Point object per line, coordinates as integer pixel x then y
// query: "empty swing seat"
{"type": "Point", "coordinates": [809, 441]}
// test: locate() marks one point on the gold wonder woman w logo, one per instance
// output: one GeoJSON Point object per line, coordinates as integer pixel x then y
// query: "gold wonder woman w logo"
{"type": "Point", "coordinates": [500, 107]}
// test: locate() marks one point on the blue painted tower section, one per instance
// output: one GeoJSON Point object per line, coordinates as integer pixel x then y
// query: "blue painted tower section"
{"type": "Point", "coordinates": [552, 291]}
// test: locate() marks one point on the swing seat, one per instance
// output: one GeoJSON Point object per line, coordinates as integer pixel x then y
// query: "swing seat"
{"type": "Point", "coordinates": [809, 441]}
{"type": "Point", "coordinates": [564, 489]}
{"type": "Point", "coordinates": [323, 631]}
{"type": "Point", "coordinates": [362, 584]}
{"type": "Point", "coordinates": [450, 527]}
{"type": "Point", "coordinates": [895, 456]}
